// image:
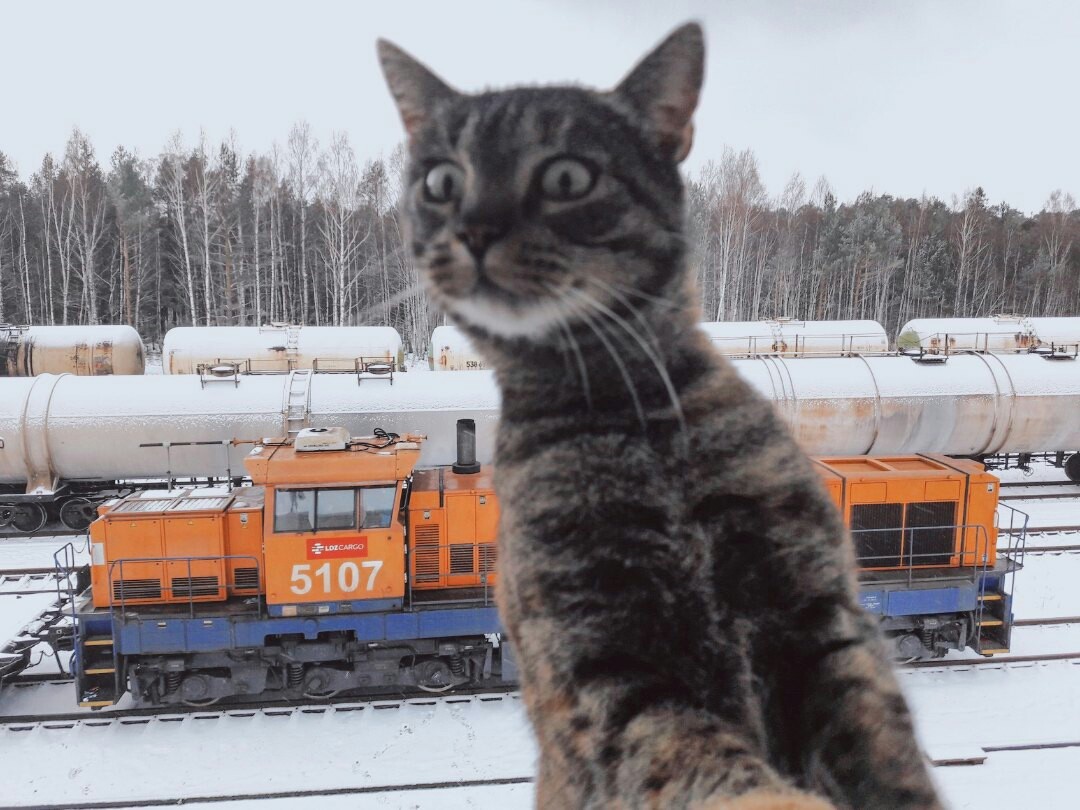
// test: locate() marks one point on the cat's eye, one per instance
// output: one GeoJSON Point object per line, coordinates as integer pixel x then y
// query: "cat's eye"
{"type": "Point", "coordinates": [444, 182]}
{"type": "Point", "coordinates": [567, 179]}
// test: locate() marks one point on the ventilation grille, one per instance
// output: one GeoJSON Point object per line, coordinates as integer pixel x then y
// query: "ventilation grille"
{"type": "Point", "coordinates": [246, 579]}
{"type": "Point", "coordinates": [877, 531]}
{"type": "Point", "coordinates": [426, 553]}
{"type": "Point", "coordinates": [462, 559]}
{"type": "Point", "coordinates": [931, 546]}
{"type": "Point", "coordinates": [124, 590]}
{"type": "Point", "coordinates": [487, 557]}
{"type": "Point", "coordinates": [190, 587]}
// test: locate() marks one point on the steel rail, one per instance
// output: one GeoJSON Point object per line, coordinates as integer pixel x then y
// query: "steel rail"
{"type": "Point", "coordinates": [283, 794]}
{"type": "Point", "coordinates": [270, 708]}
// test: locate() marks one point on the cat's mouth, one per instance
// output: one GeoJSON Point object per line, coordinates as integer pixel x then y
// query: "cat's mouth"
{"type": "Point", "coordinates": [529, 309]}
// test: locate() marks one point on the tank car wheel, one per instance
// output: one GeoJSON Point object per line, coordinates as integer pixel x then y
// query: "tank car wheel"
{"type": "Point", "coordinates": [1072, 467]}
{"type": "Point", "coordinates": [77, 514]}
{"type": "Point", "coordinates": [29, 517]}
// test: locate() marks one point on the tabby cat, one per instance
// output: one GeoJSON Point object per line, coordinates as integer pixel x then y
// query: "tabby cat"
{"type": "Point", "coordinates": [678, 587]}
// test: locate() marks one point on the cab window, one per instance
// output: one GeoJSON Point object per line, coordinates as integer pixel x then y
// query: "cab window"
{"type": "Point", "coordinates": [314, 510]}
{"type": "Point", "coordinates": [335, 509]}
{"type": "Point", "coordinates": [294, 510]}
{"type": "Point", "coordinates": [377, 507]}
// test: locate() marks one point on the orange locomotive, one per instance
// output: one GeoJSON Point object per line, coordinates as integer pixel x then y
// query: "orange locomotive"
{"type": "Point", "coordinates": [926, 535]}
{"type": "Point", "coordinates": [344, 568]}
{"type": "Point", "coordinates": [297, 584]}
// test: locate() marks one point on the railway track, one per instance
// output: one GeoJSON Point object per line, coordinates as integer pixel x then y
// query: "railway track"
{"type": "Point", "coordinates": [997, 660]}
{"type": "Point", "coordinates": [282, 708]}
{"type": "Point", "coordinates": [28, 581]}
{"type": "Point", "coordinates": [287, 794]}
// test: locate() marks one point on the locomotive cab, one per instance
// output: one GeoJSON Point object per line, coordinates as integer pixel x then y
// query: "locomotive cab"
{"type": "Point", "coordinates": [332, 536]}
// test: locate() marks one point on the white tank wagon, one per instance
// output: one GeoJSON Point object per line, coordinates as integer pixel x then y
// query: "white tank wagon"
{"type": "Point", "coordinates": [64, 437]}
{"type": "Point", "coordinates": [791, 338]}
{"type": "Point", "coordinates": [998, 333]}
{"type": "Point", "coordinates": [451, 350]}
{"type": "Point", "coordinates": [89, 351]}
{"type": "Point", "coordinates": [62, 440]}
{"type": "Point", "coordinates": [964, 405]}
{"type": "Point", "coordinates": [278, 348]}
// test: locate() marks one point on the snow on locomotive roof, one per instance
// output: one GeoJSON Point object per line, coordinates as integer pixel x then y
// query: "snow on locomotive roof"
{"type": "Point", "coordinates": [276, 348]}
{"type": "Point", "coordinates": [792, 338]}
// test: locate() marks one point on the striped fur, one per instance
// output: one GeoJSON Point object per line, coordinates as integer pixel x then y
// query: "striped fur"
{"type": "Point", "coordinates": [678, 588]}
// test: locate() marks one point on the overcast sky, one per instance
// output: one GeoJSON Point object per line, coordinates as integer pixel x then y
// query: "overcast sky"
{"type": "Point", "coordinates": [898, 97]}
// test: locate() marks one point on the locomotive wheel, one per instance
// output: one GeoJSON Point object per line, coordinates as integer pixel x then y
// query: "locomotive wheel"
{"type": "Point", "coordinates": [201, 704]}
{"type": "Point", "coordinates": [29, 517]}
{"type": "Point", "coordinates": [1072, 467]}
{"type": "Point", "coordinates": [77, 514]}
{"type": "Point", "coordinates": [7, 513]}
{"type": "Point", "coordinates": [434, 675]}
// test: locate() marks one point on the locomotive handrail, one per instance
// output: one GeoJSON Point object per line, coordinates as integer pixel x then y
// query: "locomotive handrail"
{"type": "Point", "coordinates": [909, 559]}
{"type": "Point", "coordinates": [166, 585]}
{"type": "Point", "coordinates": [65, 561]}
{"type": "Point", "coordinates": [976, 571]}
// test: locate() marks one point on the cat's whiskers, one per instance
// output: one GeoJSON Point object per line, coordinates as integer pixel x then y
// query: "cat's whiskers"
{"type": "Point", "coordinates": [652, 350]}
{"type": "Point", "coordinates": [397, 298]}
{"type": "Point", "coordinates": [583, 371]}
{"type": "Point", "coordinates": [648, 350]}
{"type": "Point", "coordinates": [628, 379]}
{"type": "Point", "coordinates": [644, 296]}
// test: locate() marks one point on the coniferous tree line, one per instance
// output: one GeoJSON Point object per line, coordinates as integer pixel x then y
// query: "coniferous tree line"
{"type": "Point", "coordinates": [309, 233]}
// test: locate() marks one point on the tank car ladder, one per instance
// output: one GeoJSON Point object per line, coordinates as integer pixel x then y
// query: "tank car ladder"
{"type": "Point", "coordinates": [297, 405]}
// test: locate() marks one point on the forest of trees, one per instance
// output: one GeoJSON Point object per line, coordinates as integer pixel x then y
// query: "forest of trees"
{"type": "Point", "coordinates": [310, 234]}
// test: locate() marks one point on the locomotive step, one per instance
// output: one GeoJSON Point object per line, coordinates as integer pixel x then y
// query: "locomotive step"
{"type": "Point", "coordinates": [99, 671]}
{"type": "Point", "coordinates": [991, 623]}
{"type": "Point", "coordinates": [98, 641]}
{"type": "Point", "coordinates": [990, 597]}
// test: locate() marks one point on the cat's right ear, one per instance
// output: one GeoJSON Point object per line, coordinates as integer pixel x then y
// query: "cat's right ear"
{"type": "Point", "coordinates": [665, 85]}
{"type": "Point", "coordinates": [415, 89]}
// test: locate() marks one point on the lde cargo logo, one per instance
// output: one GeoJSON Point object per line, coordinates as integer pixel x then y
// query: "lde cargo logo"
{"type": "Point", "coordinates": [321, 550]}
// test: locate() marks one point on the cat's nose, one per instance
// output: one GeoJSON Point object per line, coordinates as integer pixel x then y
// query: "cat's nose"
{"type": "Point", "coordinates": [479, 236]}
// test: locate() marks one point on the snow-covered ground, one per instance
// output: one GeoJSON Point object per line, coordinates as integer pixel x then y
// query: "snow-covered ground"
{"type": "Point", "coordinates": [363, 754]}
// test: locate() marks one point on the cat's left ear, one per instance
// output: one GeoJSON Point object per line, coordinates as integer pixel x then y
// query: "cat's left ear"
{"type": "Point", "coordinates": [665, 85]}
{"type": "Point", "coordinates": [416, 89]}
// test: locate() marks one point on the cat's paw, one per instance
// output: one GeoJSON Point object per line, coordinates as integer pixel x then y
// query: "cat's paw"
{"type": "Point", "coordinates": [766, 800]}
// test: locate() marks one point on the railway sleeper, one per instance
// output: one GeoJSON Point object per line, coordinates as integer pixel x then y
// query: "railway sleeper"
{"type": "Point", "coordinates": [296, 668]}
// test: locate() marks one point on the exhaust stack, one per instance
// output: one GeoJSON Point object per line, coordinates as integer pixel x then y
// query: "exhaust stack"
{"type": "Point", "coordinates": [466, 463]}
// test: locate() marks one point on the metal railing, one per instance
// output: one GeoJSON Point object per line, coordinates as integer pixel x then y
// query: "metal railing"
{"type": "Point", "coordinates": [967, 562]}
{"type": "Point", "coordinates": [164, 584]}
{"type": "Point", "coordinates": [963, 563]}
{"type": "Point", "coordinates": [801, 346]}
{"type": "Point", "coordinates": [949, 343]}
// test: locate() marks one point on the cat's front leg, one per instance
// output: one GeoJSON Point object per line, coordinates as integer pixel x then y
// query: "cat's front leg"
{"type": "Point", "coordinates": [859, 746]}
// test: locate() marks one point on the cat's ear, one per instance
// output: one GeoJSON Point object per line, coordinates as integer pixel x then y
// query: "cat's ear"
{"type": "Point", "coordinates": [664, 87]}
{"type": "Point", "coordinates": [415, 89]}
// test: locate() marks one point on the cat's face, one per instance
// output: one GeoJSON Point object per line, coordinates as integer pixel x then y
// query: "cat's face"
{"type": "Point", "coordinates": [533, 208]}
